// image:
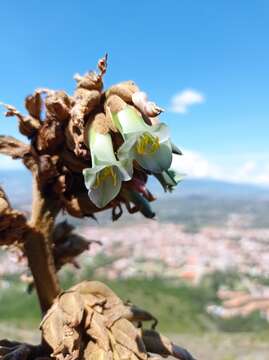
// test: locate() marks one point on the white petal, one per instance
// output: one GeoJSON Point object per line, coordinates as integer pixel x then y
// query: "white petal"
{"type": "Point", "coordinates": [157, 162]}
{"type": "Point", "coordinates": [106, 192]}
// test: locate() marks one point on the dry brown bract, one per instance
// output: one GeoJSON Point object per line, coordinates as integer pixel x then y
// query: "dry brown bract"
{"type": "Point", "coordinates": [57, 127]}
{"type": "Point", "coordinates": [13, 224]}
{"type": "Point", "coordinates": [90, 322]}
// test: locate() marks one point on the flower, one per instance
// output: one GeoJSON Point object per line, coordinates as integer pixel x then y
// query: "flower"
{"type": "Point", "coordinates": [171, 177]}
{"type": "Point", "coordinates": [149, 145]}
{"type": "Point", "coordinates": [149, 108]}
{"type": "Point", "coordinates": [104, 178]}
{"type": "Point", "coordinates": [140, 203]}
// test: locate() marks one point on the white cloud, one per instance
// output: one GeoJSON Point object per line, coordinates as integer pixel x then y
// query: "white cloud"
{"type": "Point", "coordinates": [196, 165]}
{"type": "Point", "coordinates": [253, 172]}
{"type": "Point", "coordinates": [184, 99]}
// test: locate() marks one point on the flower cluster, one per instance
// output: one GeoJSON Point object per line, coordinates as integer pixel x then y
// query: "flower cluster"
{"type": "Point", "coordinates": [145, 147]}
{"type": "Point", "coordinates": [108, 140]}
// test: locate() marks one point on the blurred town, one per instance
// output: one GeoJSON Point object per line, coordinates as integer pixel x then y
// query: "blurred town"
{"type": "Point", "coordinates": [205, 228]}
{"type": "Point", "coordinates": [153, 249]}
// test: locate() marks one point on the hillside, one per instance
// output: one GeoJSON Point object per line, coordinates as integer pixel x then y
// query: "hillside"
{"type": "Point", "coordinates": [194, 203]}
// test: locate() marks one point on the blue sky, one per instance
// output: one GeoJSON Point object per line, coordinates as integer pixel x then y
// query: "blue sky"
{"type": "Point", "coordinates": [219, 49]}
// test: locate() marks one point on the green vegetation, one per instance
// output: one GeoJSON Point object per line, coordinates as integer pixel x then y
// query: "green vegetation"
{"type": "Point", "coordinates": [18, 307]}
{"type": "Point", "coordinates": [179, 307]}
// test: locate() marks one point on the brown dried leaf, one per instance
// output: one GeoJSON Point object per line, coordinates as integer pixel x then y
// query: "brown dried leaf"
{"type": "Point", "coordinates": [61, 230]}
{"type": "Point", "coordinates": [99, 124]}
{"type": "Point", "coordinates": [47, 167]}
{"type": "Point", "coordinates": [4, 202]}
{"type": "Point", "coordinates": [79, 205]}
{"type": "Point", "coordinates": [74, 136]}
{"type": "Point", "coordinates": [124, 353]}
{"type": "Point", "coordinates": [128, 336]}
{"type": "Point", "coordinates": [114, 104]}
{"type": "Point", "coordinates": [89, 81]}
{"type": "Point", "coordinates": [73, 317]}
{"type": "Point", "coordinates": [13, 350]}
{"type": "Point", "coordinates": [52, 326]}
{"type": "Point", "coordinates": [85, 102]}
{"type": "Point", "coordinates": [110, 123]}
{"type": "Point", "coordinates": [135, 314]}
{"type": "Point", "coordinates": [94, 352]}
{"type": "Point", "coordinates": [58, 105]}
{"type": "Point", "coordinates": [13, 147]}
{"type": "Point", "coordinates": [102, 65]}
{"type": "Point", "coordinates": [33, 104]}
{"type": "Point", "coordinates": [9, 344]}
{"type": "Point", "coordinates": [98, 331]}
{"type": "Point", "coordinates": [115, 313]}
{"type": "Point", "coordinates": [124, 90]}
{"type": "Point", "coordinates": [62, 184]}
{"type": "Point", "coordinates": [28, 125]}
{"type": "Point", "coordinates": [4, 350]}
{"type": "Point", "coordinates": [91, 301]}
{"type": "Point", "coordinates": [113, 344]}
{"type": "Point", "coordinates": [97, 288]}
{"type": "Point", "coordinates": [159, 344]}
{"type": "Point", "coordinates": [72, 305]}
{"type": "Point", "coordinates": [13, 223]}
{"type": "Point", "coordinates": [50, 136]}
{"type": "Point", "coordinates": [74, 164]}
{"type": "Point", "coordinates": [68, 249]}
{"type": "Point", "coordinates": [13, 226]}
{"type": "Point", "coordinates": [20, 352]}
{"type": "Point", "coordinates": [60, 326]}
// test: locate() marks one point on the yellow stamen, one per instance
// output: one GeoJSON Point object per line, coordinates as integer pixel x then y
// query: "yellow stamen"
{"type": "Point", "coordinates": [103, 174]}
{"type": "Point", "coordinates": [97, 181]}
{"type": "Point", "coordinates": [114, 176]}
{"type": "Point", "coordinates": [147, 144]}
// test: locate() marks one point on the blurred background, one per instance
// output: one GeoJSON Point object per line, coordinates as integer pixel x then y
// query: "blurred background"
{"type": "Point", "coordinates": [206, 63]}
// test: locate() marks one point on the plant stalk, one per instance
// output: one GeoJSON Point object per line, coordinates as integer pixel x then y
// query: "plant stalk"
{"type": "Point", "coordinates": [38, 246]}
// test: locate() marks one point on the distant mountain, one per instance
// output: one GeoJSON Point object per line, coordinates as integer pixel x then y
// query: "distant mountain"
{"type": "Point", "coordinates": [217, 188]}
{"type": "Point", "coordinates": [194, 203]}
{"type": "Point", "coordinates": [17, 184]}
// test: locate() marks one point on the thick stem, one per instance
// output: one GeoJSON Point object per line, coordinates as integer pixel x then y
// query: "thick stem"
{"type": "Point", "coordinates": [38, 247]}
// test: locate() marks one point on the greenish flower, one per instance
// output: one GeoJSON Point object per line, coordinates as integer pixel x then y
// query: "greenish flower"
{"type": "Point", "coordinates": [140, 202]}
{"type": "Point", "coordinates": [149, 145]}
{"type": "Point", "coordinates": [171, 177]}
{"type": "Point", "coordinates": [104, 178]}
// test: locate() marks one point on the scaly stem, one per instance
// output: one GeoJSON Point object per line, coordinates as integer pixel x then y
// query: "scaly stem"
{"type": "Point", "coordinates": [38, 247]}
